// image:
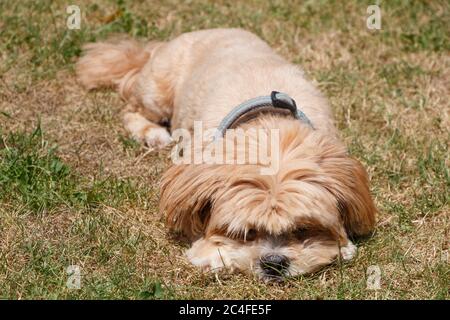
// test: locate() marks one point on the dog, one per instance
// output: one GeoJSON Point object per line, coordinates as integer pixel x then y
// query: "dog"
{"type": "Point", "coordinates": [294, 221]}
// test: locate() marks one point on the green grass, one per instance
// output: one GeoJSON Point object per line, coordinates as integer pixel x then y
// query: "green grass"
{"type": "Point", "coordinates": [76, 190]}
{"type": "Point", "coordinates": [33, 175]}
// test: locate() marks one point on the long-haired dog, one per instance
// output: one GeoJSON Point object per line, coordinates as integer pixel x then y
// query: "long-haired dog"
{"type": "Point", "coordinates": [287, 223]}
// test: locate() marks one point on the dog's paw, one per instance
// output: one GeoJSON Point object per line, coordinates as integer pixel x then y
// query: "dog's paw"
{"type": "Point", "coordinates": [210, 263]}
{"type": "Point", "coordinates": [349, 251]}
{"type": "Point", "coordinates": [157, 138]}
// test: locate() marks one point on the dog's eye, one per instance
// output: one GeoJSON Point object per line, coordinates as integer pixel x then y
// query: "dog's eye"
{"type": "Point", "coordinates": [251, 235]}
{"type": "Point", "coordinates": [300, 232]}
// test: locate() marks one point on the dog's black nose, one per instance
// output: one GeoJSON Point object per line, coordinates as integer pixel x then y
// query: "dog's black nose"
{"type": "Point", "coordinates": [274, 264]}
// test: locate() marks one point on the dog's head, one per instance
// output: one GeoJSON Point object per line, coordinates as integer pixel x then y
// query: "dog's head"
{"type": "Point", "coordinates": [289, 223]}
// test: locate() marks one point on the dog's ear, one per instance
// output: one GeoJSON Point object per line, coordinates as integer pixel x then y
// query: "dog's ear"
{"type": "Point", "coordinates": [350, 186]}
{"type": "Point", "coordinates": [187, 195]}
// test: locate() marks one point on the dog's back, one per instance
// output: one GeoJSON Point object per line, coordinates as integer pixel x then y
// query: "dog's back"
{"type": "Point", "coordinates": [199, 75]}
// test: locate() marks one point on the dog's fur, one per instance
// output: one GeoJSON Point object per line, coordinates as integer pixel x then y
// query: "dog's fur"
{"type": "Point", "coordinates": [305, 213]}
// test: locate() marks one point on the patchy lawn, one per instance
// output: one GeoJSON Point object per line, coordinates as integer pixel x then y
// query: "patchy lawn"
{"type": "Point", "coordinates": [75, 190]}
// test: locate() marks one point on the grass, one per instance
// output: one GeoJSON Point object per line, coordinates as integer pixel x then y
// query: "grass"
{"type": "Point", "coordinates": [75, 190]}
{"type": "Point", "coordinates": [33, 175]}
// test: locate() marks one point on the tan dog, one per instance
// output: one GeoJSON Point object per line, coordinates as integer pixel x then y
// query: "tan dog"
{"type": "Point", "coordinates": [291, 222]}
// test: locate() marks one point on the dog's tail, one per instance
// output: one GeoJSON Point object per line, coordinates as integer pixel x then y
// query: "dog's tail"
{"type": "Point", "coordinates": [114, 63]}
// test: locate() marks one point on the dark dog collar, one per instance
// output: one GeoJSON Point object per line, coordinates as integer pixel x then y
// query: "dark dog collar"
{"type": "Point", "coordinates": [276, 102]}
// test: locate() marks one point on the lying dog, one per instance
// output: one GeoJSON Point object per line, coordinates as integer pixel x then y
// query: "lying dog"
{"type": "Point", "coordinates": [290, 222]}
